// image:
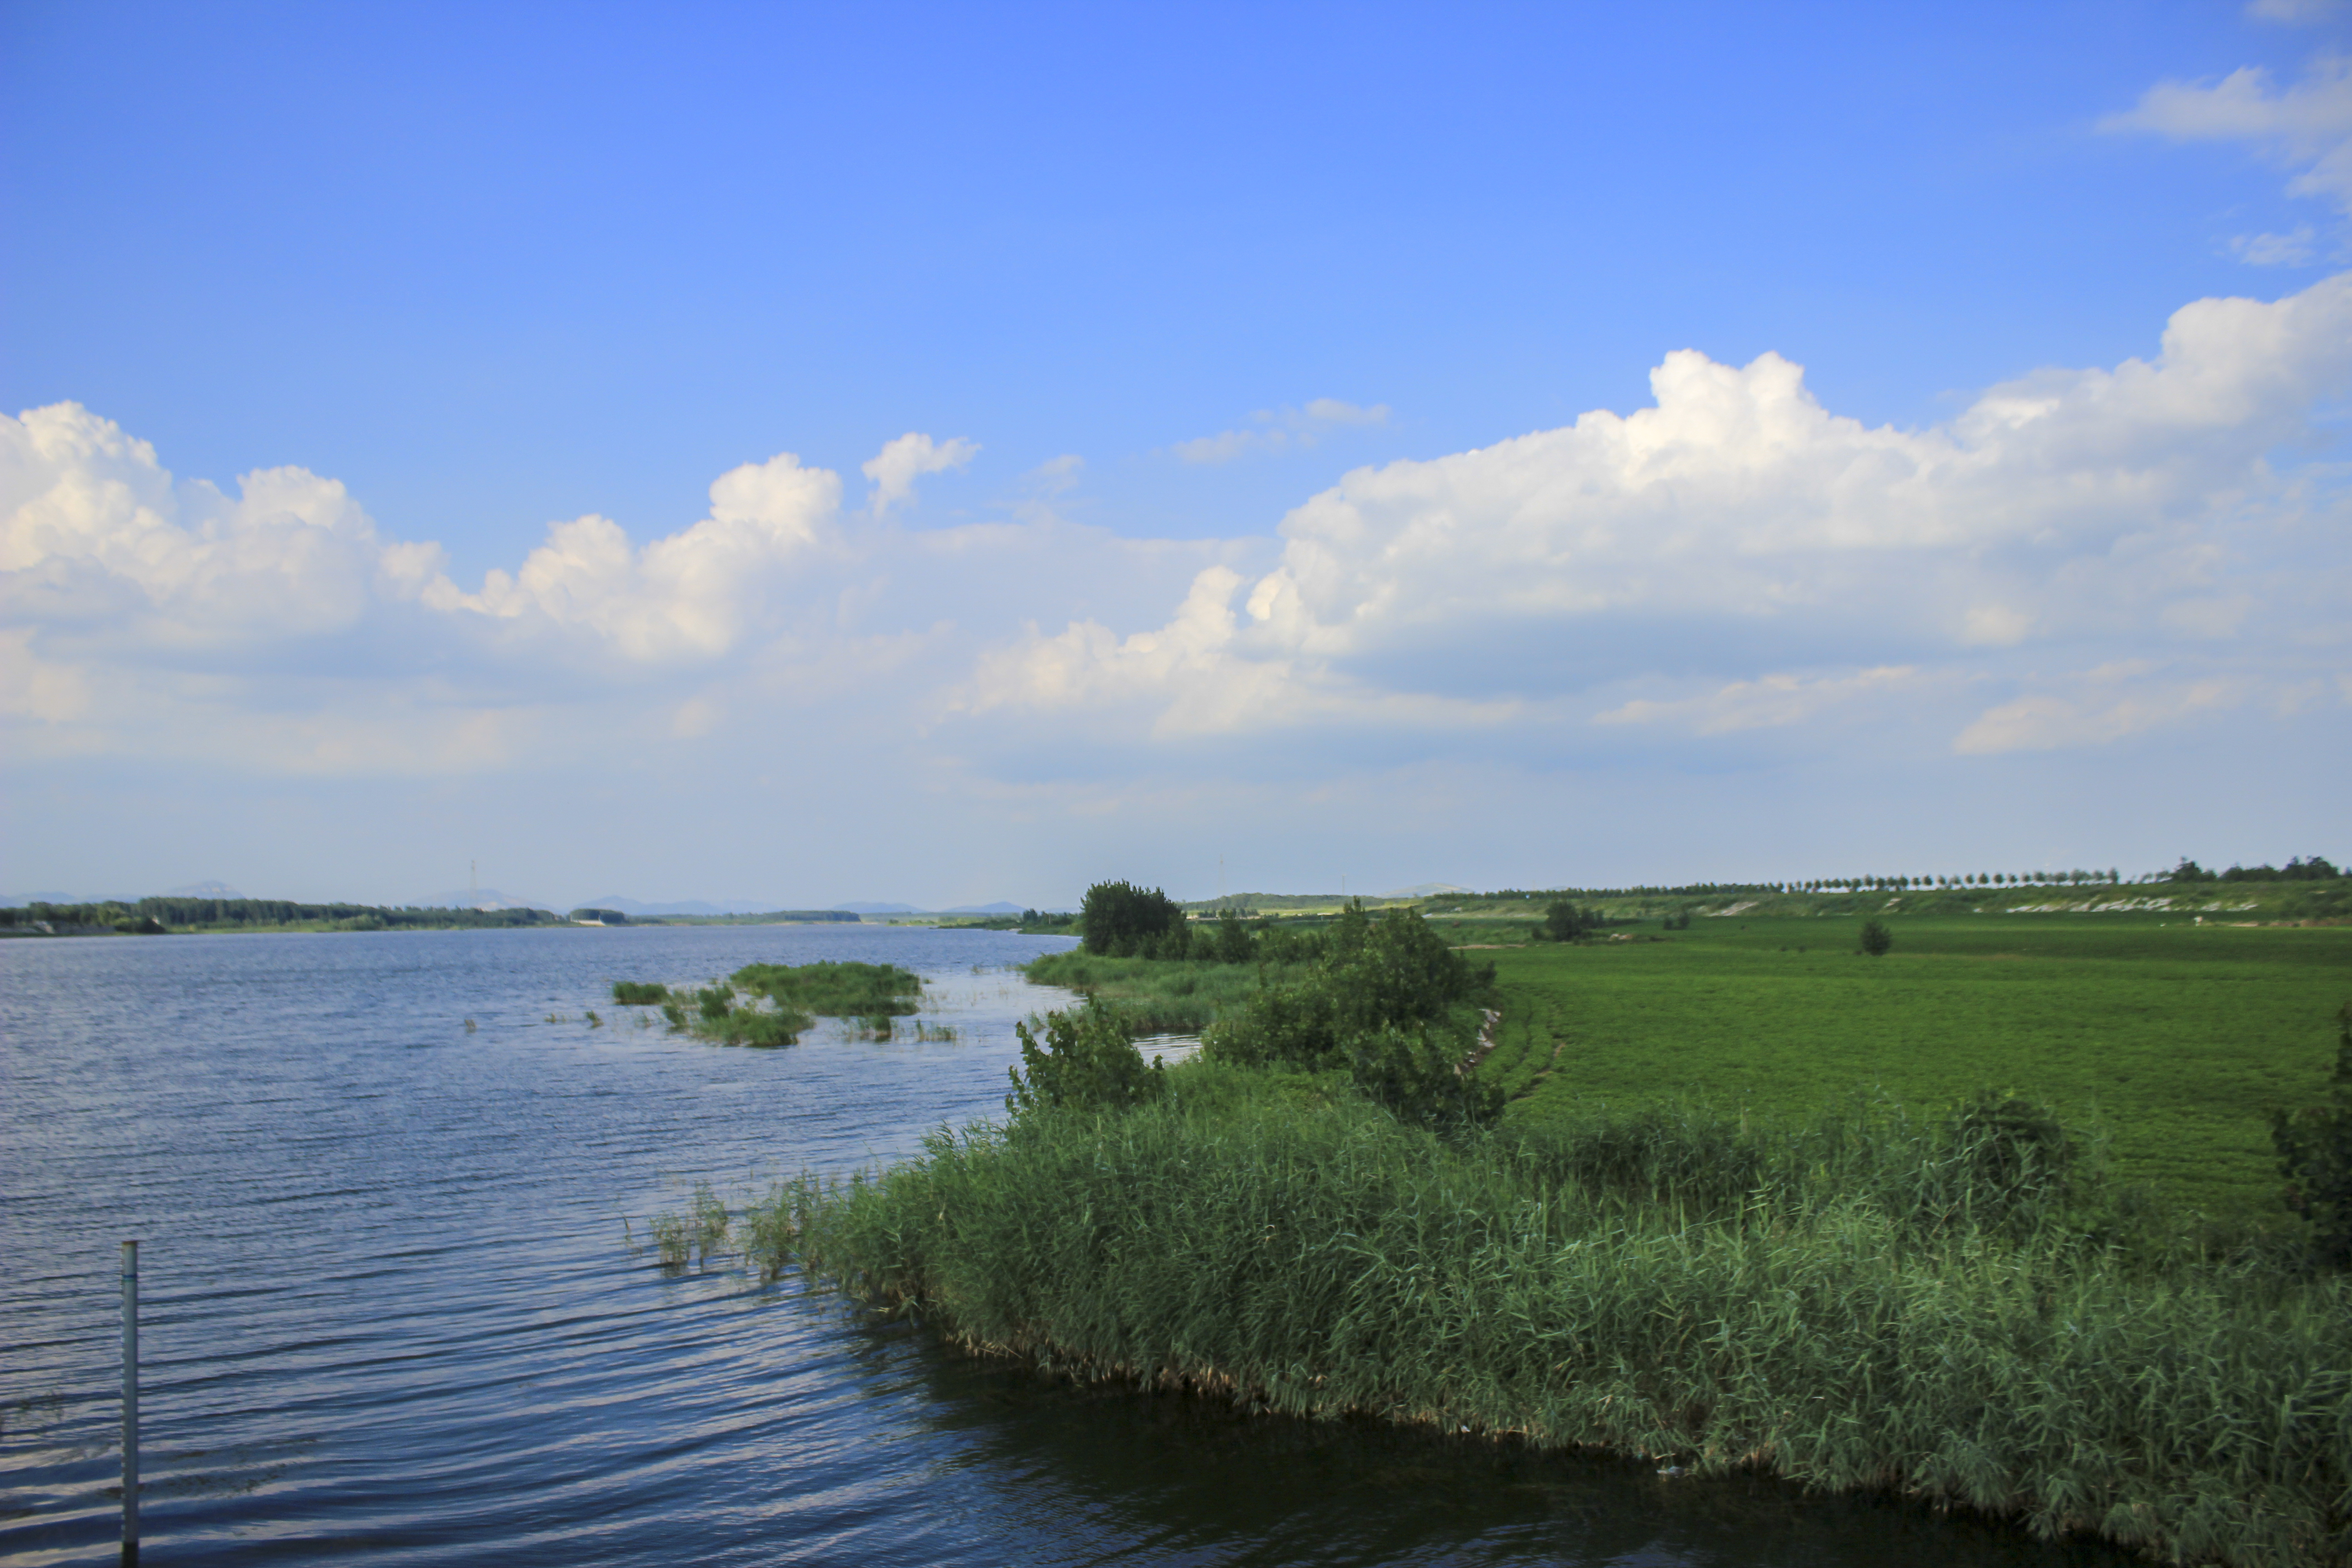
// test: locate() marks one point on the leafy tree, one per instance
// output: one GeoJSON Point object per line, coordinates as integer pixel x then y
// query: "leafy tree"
{"type": "Point", "coordinates": [1088, 1059]}
{"type": "Point", "coordinates": [1875, 937]}
{"type": "Point", "coordinates": [1121, 919]}
{"type": "Point", "coordinates": [2315, 1154]}
{"type": "Point", "coordinates": [1235, 944]}
{"type": "Point", "coordinates": [1566, 923]}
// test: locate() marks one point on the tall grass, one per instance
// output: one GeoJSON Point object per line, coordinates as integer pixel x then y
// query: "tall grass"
{"type": "Point", "coordinates": [1160, 996]}
{"type": "Point", "coordinates": [1961, 1309]}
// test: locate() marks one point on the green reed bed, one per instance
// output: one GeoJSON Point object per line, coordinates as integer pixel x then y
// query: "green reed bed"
{"type": "Point", "coordinates": [1159, 996]}
{"type": "Point", "coordinates": [1960, 1310]}
{"type": "Point", "coordinates": [768, 1005]}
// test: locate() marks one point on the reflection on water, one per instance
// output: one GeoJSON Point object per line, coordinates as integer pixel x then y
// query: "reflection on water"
{"type": "Point", "coordinates": [390, 1312]}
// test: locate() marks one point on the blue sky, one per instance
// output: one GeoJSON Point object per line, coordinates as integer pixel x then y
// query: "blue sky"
{"type": "Point", "coordinates": [1904, 537]}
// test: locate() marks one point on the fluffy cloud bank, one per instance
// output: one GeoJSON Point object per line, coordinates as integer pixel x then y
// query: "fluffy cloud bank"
{"type": "Point", "coordinates": [2065, 505]}
{"type": "Point", "coordinates": [2080, 557]}
{"type": "Point", "coordinates": [689, 595]}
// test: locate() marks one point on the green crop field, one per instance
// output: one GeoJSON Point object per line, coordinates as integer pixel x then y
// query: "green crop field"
{"type": "Point", "coordinates": [2176, 1039]}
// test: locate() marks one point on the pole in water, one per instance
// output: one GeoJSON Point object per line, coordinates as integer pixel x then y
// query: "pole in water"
{"type": "Point", "coordinates": [129, 1401]}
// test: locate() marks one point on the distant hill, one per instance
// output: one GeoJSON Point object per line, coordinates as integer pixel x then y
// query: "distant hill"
{"type": "Point", "coordinates": [1425, 890]}
{"type": "Point", "coordinates": [865, 908]}
{"type": "Point", "coordinates": [687, 906]}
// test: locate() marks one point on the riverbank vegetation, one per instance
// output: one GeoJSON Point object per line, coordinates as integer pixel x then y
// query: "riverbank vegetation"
{"type": "Point", "coordinates": [1993, 1219]}
{"type": "Point", "coordinates": [1964, 1308]}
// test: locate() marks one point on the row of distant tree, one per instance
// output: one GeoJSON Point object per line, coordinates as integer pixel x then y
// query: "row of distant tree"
{"type": "Point", "coordinates": [166, 911]}
{"type": "Point", "coordinates": [2316, 869]}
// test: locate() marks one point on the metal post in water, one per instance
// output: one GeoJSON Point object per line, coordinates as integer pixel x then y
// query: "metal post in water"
{"type": "Point", "coordinates": [129, 1403]}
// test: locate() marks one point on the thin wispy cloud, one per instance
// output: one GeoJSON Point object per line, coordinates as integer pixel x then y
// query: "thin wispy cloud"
{"type": "Point", "coordinates": [2304, 125]}
{"type": "Point", "coordinates": [1278, 430]}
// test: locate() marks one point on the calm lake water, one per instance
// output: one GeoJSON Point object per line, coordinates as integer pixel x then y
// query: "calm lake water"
{"type": "Point", "coordinates": [391, 1315]}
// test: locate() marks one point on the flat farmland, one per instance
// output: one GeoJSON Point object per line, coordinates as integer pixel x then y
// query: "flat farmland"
{"type": "Point", "coordinates": [2175, 1040]}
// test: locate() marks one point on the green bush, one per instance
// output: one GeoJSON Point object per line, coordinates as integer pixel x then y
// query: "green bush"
{"type": "Point", "coordinates": [1088, 1061]}
{"type": "Point", "coordinates": [1875, 937]}
{"type": "Point", "coordinates": [639, 993]}
{"type": "Point", "coordinates": [2314, 1153]}
{"type": "Point", "coordinates": [1388, 1000]}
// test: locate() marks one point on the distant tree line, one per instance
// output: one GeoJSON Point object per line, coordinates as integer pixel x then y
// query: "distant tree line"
{"type": "Point", "coordinates": [1120, 920]}
{"type": "Point", "coordinates": [170, 910]}
{"type": "Point", "coordinates": [2315, 869]}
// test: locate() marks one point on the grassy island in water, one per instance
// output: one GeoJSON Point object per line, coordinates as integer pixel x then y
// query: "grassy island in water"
{"type": "Point", "coordinates": [775, 1004]}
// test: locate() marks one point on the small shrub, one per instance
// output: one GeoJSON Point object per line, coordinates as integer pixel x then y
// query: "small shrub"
{"type": "Point", "coordinates": [1875, 937]}
{"type": "Point", "coordinates": [639, 993]}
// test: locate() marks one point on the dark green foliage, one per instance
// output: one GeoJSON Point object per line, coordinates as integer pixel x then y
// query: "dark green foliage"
{"type": "Point", "coordinates": [1678, 920]}
{"type": "Point", "coordinates": [605, 917]}
{"type": "Point", "coordinates": [1121, 919]}
{"type": "Point", "coordinates": [1088, 1062]}
{"type": "Point", "coordinates": [639, 993]}
{"type": "Point", "coordinates": [1875, 937]}
{"type": "Point", "coordinates": [2315, 1154]}
{"type": "Point", "coordinates": [1564, 922]}
{"type": "Point", "coordinates": [836, 990]}
{"type": "Point", "coordinates": [2315, 869]}
{"type": "Point", "coordinates": [1235, 944]}
{"type": "Point", "coordinates": [1848, 1306]}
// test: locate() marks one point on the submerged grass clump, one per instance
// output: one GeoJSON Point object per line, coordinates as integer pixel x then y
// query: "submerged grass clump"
{"type": "Point", "coordinates": [1962, 1307]}
{"type": "Point", "coordinates": [638, 993]}
{"type": "Point", "coordinates": [697, 1236]}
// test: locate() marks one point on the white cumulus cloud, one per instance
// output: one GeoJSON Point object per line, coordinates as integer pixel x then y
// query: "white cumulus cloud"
{"type": "Point", "coordinates": [689, 594]}
{"type": "Point", "coordinates": [895, 469]}
{"type": "Point", "coordinates": [94, 531]}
